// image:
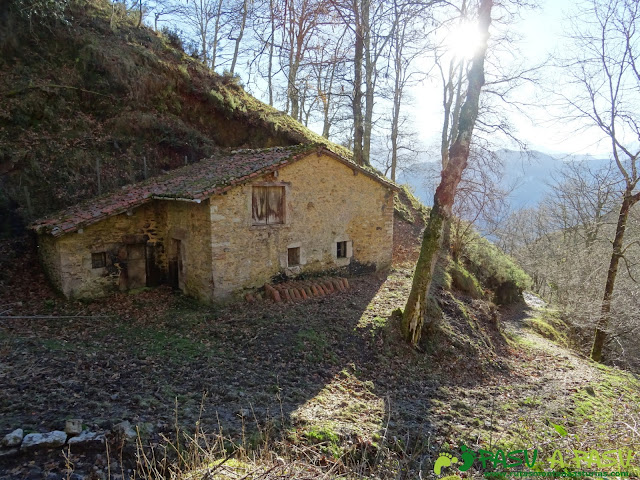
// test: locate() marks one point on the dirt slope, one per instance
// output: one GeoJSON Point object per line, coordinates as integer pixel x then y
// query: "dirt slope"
{"type": "Point", "coordinates": [102, 95]}
{"type": "Point", "coordinates": [327, 382]}
{"type": "Point", "coordinates": [331, 373]}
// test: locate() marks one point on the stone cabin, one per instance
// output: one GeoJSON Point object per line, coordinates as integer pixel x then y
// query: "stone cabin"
{"type": "Point", "coordinates": [224, 225]}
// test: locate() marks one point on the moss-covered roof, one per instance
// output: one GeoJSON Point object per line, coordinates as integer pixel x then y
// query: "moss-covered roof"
{"type": "Point", "coordinates": [195, 183]}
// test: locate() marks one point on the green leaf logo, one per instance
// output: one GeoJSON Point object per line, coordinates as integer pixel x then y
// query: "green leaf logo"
{"type": "Point", "coordinates": [560, 429]}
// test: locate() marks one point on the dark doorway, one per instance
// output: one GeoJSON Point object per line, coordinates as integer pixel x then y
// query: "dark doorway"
{"type": "Point", "coordinates": [175, 264]}
{"type": "Point", "coordinates": [136, 265]}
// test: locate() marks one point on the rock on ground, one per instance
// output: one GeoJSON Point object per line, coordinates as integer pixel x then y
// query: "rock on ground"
{"type": "Point", "coordinates": [13, 439]}
{"type": "Point", "coordinates": [87, 439]}
{"type": "Point", "coordinates": [126, 431]}
{"type": "Point", "coordinates": [44, 440]}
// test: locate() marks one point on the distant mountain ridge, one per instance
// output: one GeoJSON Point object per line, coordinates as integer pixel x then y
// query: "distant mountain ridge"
{"type": "Point", "coordinates": [530, 172]}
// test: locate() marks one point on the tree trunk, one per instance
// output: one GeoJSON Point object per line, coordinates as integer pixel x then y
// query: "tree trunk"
{"type": "Point", "coordinates": [245, 9]}
{"type": "Point", "coordinates": [358, 128]}
{"type": "Point", "coordinates": [413, 316]}
{"type": "Point", "coordinates": [216, 33]}
{"type": "Point", "coordinates": [326, 103]}
{"type": "Point", "coordinates": [605, 310]}
{"type": "Point", "coordinates": [395, 114]}
{"type": "Point", "coordinates": [271, 46]}
{"type": "Point", "coordinates": [416, 307]}
{"type": "Point", "coordinates": [370, 80]}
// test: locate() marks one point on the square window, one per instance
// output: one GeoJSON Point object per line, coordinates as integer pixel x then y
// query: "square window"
{"type": "Point", "coordinates": [267, 205]}
{"type": "Point", "coordinates": [341, 250]}
{"type": "Point", "coordinates": [98, 260]}
{"type": "Point", "coordinates": [293, 257]}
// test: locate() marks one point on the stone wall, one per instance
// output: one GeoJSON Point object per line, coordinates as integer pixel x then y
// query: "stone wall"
{"type": "Point", "coordinates": [72, 270]}
{"type": "Point", "coordinates": [49, 256]}
{"type": "Point", "coordinates": [189, 224]}
{"type": "Point", "coordinates": [326, 202]}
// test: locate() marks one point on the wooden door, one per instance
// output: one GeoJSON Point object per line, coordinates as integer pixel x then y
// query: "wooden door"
{"type": "Point", "coordinates": [136, 265]}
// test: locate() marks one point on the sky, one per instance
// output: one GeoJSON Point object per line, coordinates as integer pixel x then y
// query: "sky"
{"type": "Point", "coordinates": [542, 30]}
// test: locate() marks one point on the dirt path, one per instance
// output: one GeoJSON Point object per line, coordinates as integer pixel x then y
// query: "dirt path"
{"type": "Point", "coordinates": [550, 398]}
{"type": "Point", "coordinates": [553, 372]}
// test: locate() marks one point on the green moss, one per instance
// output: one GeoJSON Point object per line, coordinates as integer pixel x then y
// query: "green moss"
{"type": "Point", "coordinates": [326, 438]}
{"type": "Point", "coordinates": [406, 203]}
{"type": "Point", "coordinates": [492, 266]}
{"type": "Point", "coordinates": [160, 343]}
{"type": "Point", "coordinates": [401, 210]}
{"type": "Point", "coordinates": [549, 325]}
{"type": "Point", "coordinates": [604, 401]}
{"type": "Point", "coordinates": [464, 281]}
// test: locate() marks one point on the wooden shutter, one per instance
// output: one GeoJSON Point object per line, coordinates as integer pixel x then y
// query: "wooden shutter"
{"type": "Point", "coordinates": [275, 205]}
{"type": "Point", "coordinates": [259, 205]}
{"type": "Point", "coordinates": [267, 205]}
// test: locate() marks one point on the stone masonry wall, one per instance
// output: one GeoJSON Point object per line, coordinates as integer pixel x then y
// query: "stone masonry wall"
{"type": "Point", "coordinates": [221, 252]}
{"type": "Point", "coordinates": [50, 258]}
{"type": "Point", "coordinates": [190, 224]}
{"type": "Point", "coordinates": [326, 203]}
{"type": "Point", "coordinates": [74, 273]}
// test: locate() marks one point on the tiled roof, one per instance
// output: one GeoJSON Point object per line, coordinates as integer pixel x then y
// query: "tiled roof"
{"type": "Point", "coordinates": [191, 183]}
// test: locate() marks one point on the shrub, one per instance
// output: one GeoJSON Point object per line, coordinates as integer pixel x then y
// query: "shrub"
{"type": "Point", "coordinates": [174, 37]}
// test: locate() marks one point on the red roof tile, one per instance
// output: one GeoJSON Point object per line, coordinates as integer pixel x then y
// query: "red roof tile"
{"type": "Point", "coordinates": [191, 183]}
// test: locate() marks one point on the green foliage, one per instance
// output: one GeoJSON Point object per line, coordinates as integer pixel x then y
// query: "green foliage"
{"type": "Point", "coordinates": [326, 438]}
{"type": "Point", "coordinates": [492, 266]}
{"type": "Point", "coordinates": [173, 36]}
{"type": "Point", "coordinates": [465, 281]}
{"type": "Point", "coordinates": [560, 429]}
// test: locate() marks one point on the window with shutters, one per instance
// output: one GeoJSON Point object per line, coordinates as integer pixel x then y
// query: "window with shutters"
{"type": "Point", "coordinates": [267, 205]}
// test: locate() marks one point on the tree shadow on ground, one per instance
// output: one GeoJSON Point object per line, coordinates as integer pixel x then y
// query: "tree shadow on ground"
{"type": "Point", "coordinates": [335, 363]}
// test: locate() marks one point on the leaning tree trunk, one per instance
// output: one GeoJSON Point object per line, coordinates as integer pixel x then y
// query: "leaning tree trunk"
{"type": "Point", "coordinates": [600, 336]}
{"type": "Point", "coordinates": [414, 312]}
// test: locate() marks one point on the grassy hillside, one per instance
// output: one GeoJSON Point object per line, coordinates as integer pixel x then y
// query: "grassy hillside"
{"type": "Point", "coordinates": [102, 94]}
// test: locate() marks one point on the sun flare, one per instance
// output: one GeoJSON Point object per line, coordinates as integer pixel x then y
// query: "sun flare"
{"type": "Point", "coordinates": [464, 40]}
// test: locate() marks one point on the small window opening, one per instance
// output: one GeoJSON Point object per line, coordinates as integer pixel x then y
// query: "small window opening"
{"type": "Point", "coordinates": [294, 256]}
{"type": "Point", "coordinates": [99, 260]}
{"type": "Point", "coordinates": [342, 250]}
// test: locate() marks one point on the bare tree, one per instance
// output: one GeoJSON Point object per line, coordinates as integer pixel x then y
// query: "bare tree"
{"type": "Point", "coordinates": [413, 316]}
{"type": "Point", "coordinates": [407, 45]}
{"type": "Point", "coordinates": [163, 8]}
{"type": "Point", "coordinates": [198, 15]}
{"type": "Point", "coordinates": [605, 82]}
{"type": "Point", "coordinates": [581, 198]}
{"type": "Point", "coordinates": [242, 15]}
